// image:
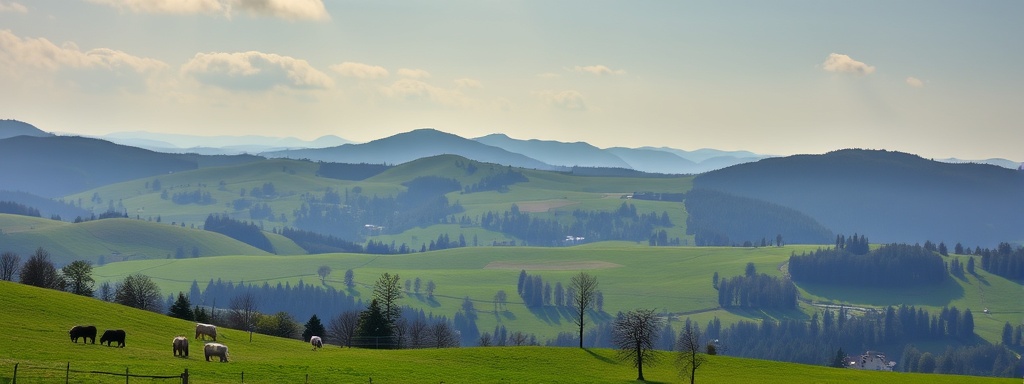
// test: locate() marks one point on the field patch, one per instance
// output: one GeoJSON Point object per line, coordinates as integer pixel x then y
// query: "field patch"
{"type": "Point", "coordinates": [551, 266]}
{"type": "Point", "coordinates": [544, 205]}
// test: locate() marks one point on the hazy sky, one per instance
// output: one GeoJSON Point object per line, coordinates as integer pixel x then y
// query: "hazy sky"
{"type": "Point", "coordinates": [936, 78]}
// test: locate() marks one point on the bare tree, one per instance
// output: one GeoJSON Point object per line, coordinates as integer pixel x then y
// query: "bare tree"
{"type": "Point", "coordinates": [387, 293]}
{"type": "Point", "coordinates": [500, 299]}
{"type": "Point", "coordinates": [323, 272]}
{"type": "Point", "coordinates": [442, 335]}
{"type": "Point", "coordinates": [485, 339]}
{"type": "Point", "coordinates": [342, 328]}
{"type": "Point", "coordinates": [40, 272]}
{"type": "Point", "coordinates": [9, 263]}
{"type": "Point", "coordinates": [243, 311]}
{"type": "Point", "coordinates": [518, 339]}
{"type": "Point", "coordinates": [418, 334]}
{"type": "Point", "coordinates": [634, 334]}
{"type": "Point", "coordinates": [689, 356]}
{"type": "Point", "coordinates": [584, 287]}
{"type": "Point", "coordinates": [78, 278]}
{"type": "Point", "coordinates": [138, 291]}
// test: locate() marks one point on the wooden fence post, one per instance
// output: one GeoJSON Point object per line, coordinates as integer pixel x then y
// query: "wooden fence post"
{"type": "Point", "coordinates": [243, 377]}
{"type": "Point", "coordinates": [125, 375]}
{"type": "Point", "coordinates": [184, 377]}
{"type": "Point", "coordinates": [67, 373]}
{"type": "Point", "coordinates": [15, 379]}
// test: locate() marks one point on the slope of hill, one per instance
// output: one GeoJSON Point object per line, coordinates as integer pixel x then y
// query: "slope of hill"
{"type": "Point", "coordinates": [649, 160]}
{"type": "Point", "coordinates": [46, 207]}
{"type": "Point", "coordinates": [61, 165]}
{"type": "Point", "coordinates": [232, 144]}
{"type": "Point", "coordinates": [409, 146]}
{"type": "Point", "coordinates": [889, 196]}
{"type": "Point", "coordinates": [42, 351]}
{"type": "Point", "coordinates": [110, 240]}
{"type": "Point", "coordinates": [12, 128]}
{"type": "Point", "coordinates": [556, 152]}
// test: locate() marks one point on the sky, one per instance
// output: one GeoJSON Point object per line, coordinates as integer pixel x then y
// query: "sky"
{"type": "Point", "coordinates": [936, 78]}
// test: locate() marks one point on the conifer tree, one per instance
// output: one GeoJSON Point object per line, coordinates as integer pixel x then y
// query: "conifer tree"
{"type": "Point", "coordinates": [313, 328]}
{"type": "Point", "coordinates": [182, 308]}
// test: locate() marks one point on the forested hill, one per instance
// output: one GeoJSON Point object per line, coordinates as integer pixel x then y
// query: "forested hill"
{"type": "Point", "coordinates": [895, 197]}
{"type": "Point", "coordinates": [12, 128]}
{"type": "Point", "coordinates": [61, 165]}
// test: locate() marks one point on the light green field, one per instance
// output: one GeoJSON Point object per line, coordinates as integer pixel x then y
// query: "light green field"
{"type": "Point", "coordinates": [118, 239]}
{"type": "Point", "coordinates": [37, 341]}
{"type": "Point", "coordinates": [672, 280]}
{"type": "Point", "coordinates": [293, 178]}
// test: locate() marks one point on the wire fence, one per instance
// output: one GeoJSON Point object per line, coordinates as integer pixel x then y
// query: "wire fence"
{"type": "Point", "coordinates": [36, 374]}
{"type": "Point", "coordinates": [26, 374]}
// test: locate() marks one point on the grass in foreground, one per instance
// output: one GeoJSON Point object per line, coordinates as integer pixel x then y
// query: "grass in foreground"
{"type": "Point", "coordinates": [37, 340]}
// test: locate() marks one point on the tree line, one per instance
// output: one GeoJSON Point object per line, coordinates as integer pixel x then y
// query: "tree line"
{"type": "Point", "coordinates": [625, 223]}
{"type": "Point", "coordinates": [245, 232]}
{"type": "Point", "coordinates": [892, 265]}
{"type": "Point", "coordinates": [720, 219]}
{"type": "Point", "coordinates": [757, 291]}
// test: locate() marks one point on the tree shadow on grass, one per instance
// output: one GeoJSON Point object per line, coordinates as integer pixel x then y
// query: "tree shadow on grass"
{"type": "Point", "coordinates": [599, 357]}
{"type": "Point", "coordinates": [548, 314]}
{"type": "Point", "coordinates": [936, 295]}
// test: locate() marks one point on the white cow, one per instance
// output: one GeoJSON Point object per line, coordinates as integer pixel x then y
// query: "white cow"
{"type": "Point", "coordinates": [216, 350]}
{"type": "Point", "coordinates": [206, 330]}
{"type": "Point", "coordinates": [316, 342]}
{"type": "Point", "coordinates": [180, 346]}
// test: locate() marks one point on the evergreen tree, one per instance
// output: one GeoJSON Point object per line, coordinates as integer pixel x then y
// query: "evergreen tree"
{"type": "Point", "coordinates": [313, 328]}
{"type": "Point", "coordinates": [840, 360]}
{"type": "Point", "coordinates": [374, 330]}
{"type": "Point", "coordinates": [201, 316]}
{"type": "Point", "coordinates": [182, 308]}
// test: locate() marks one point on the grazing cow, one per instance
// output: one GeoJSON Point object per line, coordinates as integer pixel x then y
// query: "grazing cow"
{"type": "Point", "coordinates": [180, 346]}
{"type": "Point", "coordinates": [316, 342]}
{"type": "Point", "coordinates": [84, 332]}
{"type": "Point", "coordinates": [216, 350]}
{"type": "Point", "coordinates": [113, 335]}
{"type": "Point", "coordinates": [206, 330]}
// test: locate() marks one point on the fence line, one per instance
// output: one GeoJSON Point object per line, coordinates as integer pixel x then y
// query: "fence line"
{"type": "Point", "coordinates": [184, 376]}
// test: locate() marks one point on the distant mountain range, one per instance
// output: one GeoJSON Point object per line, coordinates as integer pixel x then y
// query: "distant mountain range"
{"type": "Point", "coordinates": [495, 148]}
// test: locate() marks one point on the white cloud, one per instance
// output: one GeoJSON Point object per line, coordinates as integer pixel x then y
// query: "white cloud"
{"type": "Point", "coordinates": [40, 53]}
{"type": "Point", "coordinates": [915, 82]}
{"type": "Point", "coordinates": [570, 99]}
{"type": "Point", "coordinates": [599, 70]}
{"type": "Point", "coordinates": [255, 71]}
{"type": "Point", "coordinates": [284, 9]}
{"type": "Point", "coordinates": [842, 63]}
{"type": "Point", "coordinates": [360, 70]}
{"type": "Point", "coordinates": [13, 7]}
{"type": "Point", "coordinates": [468, 83]}
{"type": "Point", "coordinates": [412, 89]}
{"type": "Point", "coordinates": [413, 73]}
{"type": "Point", "coordinates": [180, 7]}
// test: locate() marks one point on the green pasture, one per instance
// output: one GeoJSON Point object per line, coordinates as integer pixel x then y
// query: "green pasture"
{"type": "Point", "coordinates": [673, 280]}
{"type": "Point", "coordinates": [118, 239]}
{"type": "Point", "coordinates": [38, 344]}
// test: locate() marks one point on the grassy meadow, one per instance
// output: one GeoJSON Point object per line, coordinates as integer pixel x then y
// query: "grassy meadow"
{"type": "Point", "coordinates": [671, 280]}
{"type": "Point", "coordinates": [37, 341]}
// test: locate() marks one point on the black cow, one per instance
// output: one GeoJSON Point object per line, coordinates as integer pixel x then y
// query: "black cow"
{"type": "Point", "coordinates": [84, 332]}
{"type": "Point", "coordinates": [112, 335]}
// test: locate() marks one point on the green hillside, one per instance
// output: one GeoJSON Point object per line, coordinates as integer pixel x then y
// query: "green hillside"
{"type": "Point", "coordinates": [38, 343]}
{"type": "Point", "coordinates": [547, 195]}
{"type": "Point", "coordinates": [670, 279]}
{"type": "Point", "coordinates": [118, 239]}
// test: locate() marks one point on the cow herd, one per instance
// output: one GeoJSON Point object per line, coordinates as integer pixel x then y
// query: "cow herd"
{"type": "Point", "coordinates": [179, 344]}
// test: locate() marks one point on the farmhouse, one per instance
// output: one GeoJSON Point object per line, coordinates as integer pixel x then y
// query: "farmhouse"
{"type": "Point", "coordinates": [870, 360]}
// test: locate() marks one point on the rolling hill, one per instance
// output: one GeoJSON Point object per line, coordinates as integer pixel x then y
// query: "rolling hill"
{"type": "Point", "coordinates": [556, 152]}
{"type": "Point", "coordinates": [111, 240]}
{"type": "Point", "coordinates": [889, 196]}
{"type": "Point", "coordinates": [42, 352]}
{"type": "Point", "coordinates": [409, 146]}
{"type": "Point", "coordinates": [12, 128]}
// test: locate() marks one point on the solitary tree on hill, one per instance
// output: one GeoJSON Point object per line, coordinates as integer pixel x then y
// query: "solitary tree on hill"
{"type": "Point", "coordinates": [182, 308]}
{"type": "Point", "coordinates": [634, 334]}
{"type": "Point", "coordinates": [312, 328]}
{"type": "Point", "coordinates": [78, 278]}
{"type": "Point", "coordinates": [323, 272]}
{"type": "Point", "coordinates": [584, 287]}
